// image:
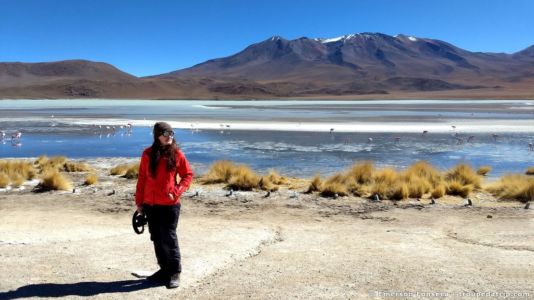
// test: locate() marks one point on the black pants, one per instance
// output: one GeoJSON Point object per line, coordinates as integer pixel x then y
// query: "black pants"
{"type": "Point", "coordinates": [162, 222]}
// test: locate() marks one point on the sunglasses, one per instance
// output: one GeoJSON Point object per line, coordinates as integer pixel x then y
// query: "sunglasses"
{"type": "Point", "coordinates": [168, 133]}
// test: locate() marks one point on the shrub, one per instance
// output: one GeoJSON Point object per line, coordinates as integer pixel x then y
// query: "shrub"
{"type": "Point", "coordinates": [243, 178]}
{"type": "Point", "coordinates": [17, 168]}
{"type": "Point", "coordinates": [119, 170]}
{"type": "Point", "coordinates": [457, 188]}
{"type": "Point", "coordinates": [362, 172]}
{"type": "Point", "coordinates": [266, 184]}
{"type": "Point", "coordinates": [54, 180]}
{"type": "Point", "coordinates": [439, 191]}
{"type": "Point", "coordinates": [315, 184]}
{"type": "Point", "coordinates": [331, 188]}
{"type": "Point", "coordinates": [276, 178]}
{"type": "Point", "coordinates": [513, 187]}
{"type": "Point", "coordinates": [4, 180]}
{"type": "Point", "coordinates": [55, 163]}
{"type": "Point", "coordinates": [484, 170]}
{"type": "Point", "coordinates": [219, 172]}
{"type": "Point", "coordinates": [76, 167]}
{"type": "Point", "coordinates": [464, 175]}
{"type": "Point", "coordinates": [132, 172]}
{"type": "Point", "coordinates": [400, 192]}
{"type": "Point", "coordinates": [17, 181]}
{"type": "Point", "coordinates": [424, 170]}
{"type": "Point", "coordinates": [530, 171]}
{"type": "Point", "coordinates": [91, 179]}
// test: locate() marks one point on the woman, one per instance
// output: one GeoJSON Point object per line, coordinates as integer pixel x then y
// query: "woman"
{"type": "Point", "coordinates": [158, 196]}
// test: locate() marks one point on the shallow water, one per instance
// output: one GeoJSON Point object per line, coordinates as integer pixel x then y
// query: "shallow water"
{"type": "Point", "coordinates": [52, 127]}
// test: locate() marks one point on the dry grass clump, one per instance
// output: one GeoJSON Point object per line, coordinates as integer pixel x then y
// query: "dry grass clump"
{"type": "Point", "coordinates": [243, 178]}
{"type": "Point", "coordinates": [463, 174]}
{"type": "Point", "coordinates": [132, 172]}
{"type": "Point", "coordinates": [276, 178]}
{"type": "Point", "coordinates": [17, 168]}
{"type": "Point", "coordinates": [219, 172]}
{"type": "Point", "coordinates": [439, 191]}
{"type": "Point", "coordinates": [4, 180]}
{"type": "Point", "coordinates": [315, 184]}
{"type": "Point", "coordinates": [513, 187]}
{"type": "Point", "coordinates": [266, 184]}
{"type": "Point", "coordinates": [76, 167]}
{"type": "Point", "coordinates": [457, 188]}
{"type": "Point", "coordinates": [484, 170]}
{"type": "Point", "coordinates": [91, 179]}
{"type": "Point", "coordinates": [425, 171]}
{"type": "Point", "coordinates": [362, 172]}
{"type": "Point", "coordinates": [54, 180]}
{"type": "Point", "coordinates": [17, 181]}
{"type": "Point", "coordinates": [385, 183]}
{"type": "Point", "coordinates": [119, 170]}
{"type": "Point", "coordinates": [336, 185]}
{"type": "Point", "coordinates": [54, 163]}
{"type": "Point", "coordinates": [530, 171]}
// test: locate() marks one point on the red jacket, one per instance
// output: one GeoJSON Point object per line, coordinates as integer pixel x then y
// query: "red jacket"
{"type": "Point", "coordinates": [155, 191]}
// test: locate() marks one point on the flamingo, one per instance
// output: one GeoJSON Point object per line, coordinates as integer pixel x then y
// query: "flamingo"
{"type": "Point", "coordinates": [495, 136]}
{"type": "Point", "coordinates": [424, 132]}
{"type": "Point", "coordinates": [370, 140]}
{"type": "Point", "coordinates": [530, 146]}
{"type": "Point", "coordinates": [16, 136]}
{"type": "Point", "coordinates": [2, 134]}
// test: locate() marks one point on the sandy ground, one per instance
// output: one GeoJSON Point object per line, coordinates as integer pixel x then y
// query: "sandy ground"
{"type": "Point", "coordinates": [64, 244]}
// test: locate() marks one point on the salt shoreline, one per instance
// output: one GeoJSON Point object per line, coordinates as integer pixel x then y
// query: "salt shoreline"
{"type": "Point", "coordinates": [476, 126]}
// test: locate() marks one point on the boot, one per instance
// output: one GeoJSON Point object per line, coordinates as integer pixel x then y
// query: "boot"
{"type": "Point", "coordinates": [159, 276]}
{"type": "Point", "coordinates": [174, 281]}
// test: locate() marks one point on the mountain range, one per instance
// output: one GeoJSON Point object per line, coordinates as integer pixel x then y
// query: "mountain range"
{"type": "Point", "coordinates": [363, 65]}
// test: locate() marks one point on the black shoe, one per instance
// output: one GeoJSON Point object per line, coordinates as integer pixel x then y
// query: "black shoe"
{"type": "Point", "coordinates": [159, 276]}
{"type": "Point", "coordinates": [174, 281]}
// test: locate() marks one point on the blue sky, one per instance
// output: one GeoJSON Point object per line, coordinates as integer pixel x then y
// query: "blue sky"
{"type": "Point", "coordinates": [152, 37]}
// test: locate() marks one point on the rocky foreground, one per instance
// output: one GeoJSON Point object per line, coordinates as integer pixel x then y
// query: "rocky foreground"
{"type": "Point", "coordinates": [287, 245]}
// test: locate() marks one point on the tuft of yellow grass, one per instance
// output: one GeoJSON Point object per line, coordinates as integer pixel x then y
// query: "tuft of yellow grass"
{"type": "Point", "coordinates": [484, 170]}
{"type": "Point", "coordinates": [132, 172]}
{"type": "Point", "coordinates": [53, 180]}
{"type": "Point", "coordinates": [530, 171]}
{"type": "Point", "coordinates": [439, 191]}
{"type": "Point", "coordinates": [513, 187]}
{"type": "Point", "coordinates": [119, 170]}
{"type": "Point", "coordinates": [91, 179]}
{"type": "Point", "coordinates": [463, 174]}
{"type": "Point", "coordinates": [243, 178]}
{"type": "Point", "coordinates": [422, 169]}
{"type": "Point", "coordinates": [336, 184]}
{"type": "Point", "coordinates": [315, 184]}
{"type": "Point", "coordinates": [458, 188]}
{"type": "Point", "coordinates": [362, 172]}
{"type": "Point", "coordinates": [17, 181]}
{"type": "Point", "coordinates": [266, 184]}
{"type": "Point", "coordinates": [400, 192]}
{"type": "Point", "coordinates": [384, 183]}
{"type": "Point", "coordinates": [17, 168]}
{"type": "Point", "coordinates": [219, 172]}
{"type": "Point", "coordinates": [76, 167]}
{"type": "Point", "coordinates": [276, 178]}
{"type": "Point", "coordinates": [4, 180]}
{"type": "Point", "coordinates": [54, 163]}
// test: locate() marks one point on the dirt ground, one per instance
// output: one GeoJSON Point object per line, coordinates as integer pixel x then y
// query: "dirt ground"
{"type": "Point", "coordinates": [289, 245]}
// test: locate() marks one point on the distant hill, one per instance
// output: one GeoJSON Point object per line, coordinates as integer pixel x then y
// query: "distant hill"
{"type": "Point", "coordinates": [371, 65]}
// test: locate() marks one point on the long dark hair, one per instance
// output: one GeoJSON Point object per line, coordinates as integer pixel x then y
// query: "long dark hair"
{"type": "Point", "coordinates": [159, 151]}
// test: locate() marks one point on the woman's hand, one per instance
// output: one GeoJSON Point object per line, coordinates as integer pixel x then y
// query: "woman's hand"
{"type": "Point", "coordinates": [171, 196]}
{"type": "Point", "coordinates": [140, 209]}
